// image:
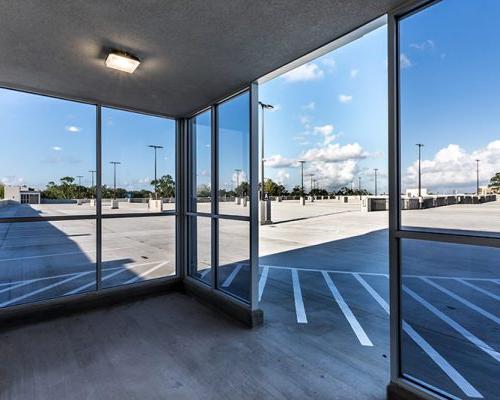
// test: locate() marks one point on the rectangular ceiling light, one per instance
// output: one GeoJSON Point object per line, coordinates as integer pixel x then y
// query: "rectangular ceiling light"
{"type": "Point", "coordinates": [122, 62]}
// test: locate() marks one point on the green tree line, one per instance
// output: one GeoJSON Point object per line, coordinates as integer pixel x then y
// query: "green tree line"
{"type": "Point", "coordinates": [67, 188]}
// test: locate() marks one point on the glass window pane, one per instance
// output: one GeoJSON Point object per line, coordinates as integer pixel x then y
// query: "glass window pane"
{"type": "Point", "coordinates": [200, 254]}
{"type": "Point", "coordinates": [137, 249]}
{"type": "Point", "coordinates": [43, 260]}
{"type": "Point", "coordinates": [47, 156]}
{"type": "Point", "coordinates": [136, 150]}
{"type": "Point", "coordinates": [233, 154]}
{"type": "Point", "coordinates": [201, 137]}
{"type": "Point", "coordinates": [450, 337]}
{"type": "Point", "coordinates": [234, 258]}
{"type": "Point", "coordinates": [450, 138]}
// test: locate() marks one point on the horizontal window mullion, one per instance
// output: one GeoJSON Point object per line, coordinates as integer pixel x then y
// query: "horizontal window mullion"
{"type": "Point", "coordinates": [448, 238]}
{"type": "Point", "coordinates": [234, 217]}
{"type": "Point", "coordinates": [139, 215]}
{"type": "Point", "coordinates": [47, 218]}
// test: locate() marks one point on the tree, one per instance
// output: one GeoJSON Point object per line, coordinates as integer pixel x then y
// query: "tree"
{"type": "Point", "coordinates": [495, 181]}
{"type": "Point", "coordinates": [274, 189]}
{"type": "Point", "coordinates": [242, 190]}
{"type": "Point", "coordinates": [2, 191]}
{"type": "Point", "coordinates": [203, 191]}
{"type": "Point", "coordinates": [319, 192]}
{"type": "Point", "coordinates": [67, 189]}
{"type": "Point", "coordinates": [297, 191]}
{"type": "Point", "coordinates": [140, 194]}
{"type": "Point", "coordinates": [345, 191]}
{"type": "Point", "coordinates": [165, 186]}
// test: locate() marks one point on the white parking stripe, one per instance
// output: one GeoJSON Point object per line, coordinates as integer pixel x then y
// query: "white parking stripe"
{"type": "Point", "coordinates": [455, 376]}
{"type": "Point", "coordinates": [455, 325]}
{"type": "Point", "coordinates": [204, 273]}
{"type": "Point", "coordinates": [300, 311]}
{"type": "Point", "coordinates": [145, 273]}
{"type": "Point", "coordinates": [232, 275]}
{"type": "Point", "coordinates": [355, 325]}
{"type": "Point", "coordinates": [374, 294]}
{"type": "Point", "coordinates": [15, 286]}
{"type": "Point", "coordinates": [54, 276]}
{"type": "Point", "coordinates": [463, 301]}
{"type": "Point", "coordinates": [45, 288]}
{"type": "Point", "coordinates": [316, 269]}
{"type": "Point", "coordinates": [438, 359]}
{"type": "Point", "coordinates": [58, 254]}
{"type": "Point", "coordinates": [483, 291]}
{"type": "Point", "coordinates": [93, 284]}
{"type": "Point", "coordinates": [262, 281]}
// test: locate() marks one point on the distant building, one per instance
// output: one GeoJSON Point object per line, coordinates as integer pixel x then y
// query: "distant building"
{"type": "Point", "coordinates": [414, 192]}
{"type": "Point", "coordinates": [22, 194]}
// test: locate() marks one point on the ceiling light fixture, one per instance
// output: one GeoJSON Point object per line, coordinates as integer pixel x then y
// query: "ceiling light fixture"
{"type": "Point", "coordinates": [122, 61]}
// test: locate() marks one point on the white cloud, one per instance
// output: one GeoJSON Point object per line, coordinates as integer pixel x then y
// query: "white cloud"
{"type": "Point", "coordinates": [11, 180]}
{"type": "Point", "coordinates": [327, 132]}
{"type": "Point", "coordinates": [345, 98]}
{"type": "Point", "coordinates": [329, 62]}
{"type": "Point", "coordinates": [404, 61]}
{"type": "Point", "coordinates": [278, 161]}
{"type": "Point", "coordinates": [453, 168]}
{"type": "Point", "coordinates": [282, 176]}
{"type": "Point", "coordinates": [309, 106]}
{"type": "Point", "coordinates": [354, 72]}
{"type": "Point", "coordinates": [240, 177]}
{"type": "Point", "coordinates": [324, 130]}
{"type": "Point", "coordinates": [306, 72]}
{"type": "Point", "coordinates": [72, 128]}
{"type": "Point", "coordinates": [56, 148]}
{"type": "Point", "coordinates": [333, 175]}
{"type": "Point", "coordinates": [426, 44]}
{"type": "Point", "coordinates": [335, 153]}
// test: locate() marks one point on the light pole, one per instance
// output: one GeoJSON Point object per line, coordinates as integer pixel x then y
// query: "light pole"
{"type": "Point", "coordinates": [263, 217]}
{"type": "Point", "coordinates": [79, 179]}
{"type": "Point", "coordinates": [238, 171]}
{"type": "Point", "coordinates": [302, 162]}
{"type": "Point", "coordinates": [115, 163]}
{"type": "Point", "coordinates": [359, 186]}
{"type": "Point", "coordinates": [420, 145]}
{"type": "Point", "coordinates": [155, 147]}
{"type": "Point", "coordinates": [477, 177]}
{"type": "Point", "coordinates": [92, 172]}
{"type": "Point", "coordinates": [375, 170]}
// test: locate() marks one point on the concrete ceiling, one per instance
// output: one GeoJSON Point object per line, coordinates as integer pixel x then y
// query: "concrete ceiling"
{"type": "Point", "coordinates": [194, 51]}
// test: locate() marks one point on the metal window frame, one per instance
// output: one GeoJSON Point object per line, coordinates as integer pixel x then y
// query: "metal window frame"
{"type": "Point", "coordinates": [214, 214]}
{"type": "Point", "coordinates": [396, 231]}
{"type": "Point", "coordinates": [98, 216]}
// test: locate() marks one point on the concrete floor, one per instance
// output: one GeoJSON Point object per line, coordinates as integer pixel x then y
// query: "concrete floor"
{"type": "Point", "coordinates": [173, 347]}
{"type": "Point", "coordinates": [323, 285]}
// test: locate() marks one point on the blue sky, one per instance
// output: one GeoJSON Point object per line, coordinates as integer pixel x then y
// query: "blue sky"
{"type": "Point", "coordinates": [44, 139]}
{"type": "Point", "coordinates": [331, 112]}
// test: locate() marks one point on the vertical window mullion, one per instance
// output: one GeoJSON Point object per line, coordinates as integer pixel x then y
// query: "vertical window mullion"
{"type": "Point", "coordinates": [215, 195]}
{"type": "Point", "coordinates": [98, 204]}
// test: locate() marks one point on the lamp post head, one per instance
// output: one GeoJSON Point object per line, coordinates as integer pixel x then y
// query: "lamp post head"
{"type": "Point", "coordinates": [266, 106]}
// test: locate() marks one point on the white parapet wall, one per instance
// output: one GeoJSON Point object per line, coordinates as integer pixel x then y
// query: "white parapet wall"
{"type": "Point", "coordinates": [155, 205]}
{"type": "Point", "coordinates": [374, 203]}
